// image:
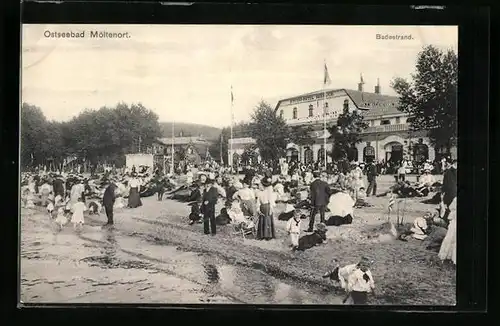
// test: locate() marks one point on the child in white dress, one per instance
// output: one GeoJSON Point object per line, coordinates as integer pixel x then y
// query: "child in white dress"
{"type": "Point", "coordinates": [78, 210]}
{"type": "Point", "coordinates": [61, 218]}
{"type": "Point", "coordinates": [293, 228]}
{"type": "Point", "coordinates": [50, 207]}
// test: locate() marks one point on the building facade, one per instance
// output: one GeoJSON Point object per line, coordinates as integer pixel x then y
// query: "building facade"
{"type": "Point", "coordinates": [187, 149]}
{"type": "Point", "coordinates": [387, 137]}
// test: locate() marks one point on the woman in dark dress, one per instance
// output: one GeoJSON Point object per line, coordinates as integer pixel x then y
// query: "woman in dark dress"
{"type": "Point", "coordinates": [266, 201]}
{"type": "Point", "coordinates": [134, 198]}
{"type": "Point", "coordinates": [196, 201]}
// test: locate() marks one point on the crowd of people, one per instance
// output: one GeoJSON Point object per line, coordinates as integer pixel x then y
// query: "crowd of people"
{"type": "Point", "coordinates": [250, 201]}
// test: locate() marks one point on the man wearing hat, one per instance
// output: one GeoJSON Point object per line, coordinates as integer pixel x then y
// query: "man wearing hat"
{"type": "Point", "coordinates": [108, 201]}
{"type": "Point", "coordinates": [449, 188]}
{"type": "Point", "coordinates": [371, 174]}
{"type": "Point", "coordinates": [58, 186]}
{"type": "Point", "coordinates": [210, 197]}
{"type": "Point", "coordinates": [320, 194]}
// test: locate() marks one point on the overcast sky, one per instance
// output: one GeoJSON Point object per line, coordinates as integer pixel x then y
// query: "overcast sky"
{"type": "Point", "coordinates": [184, 72]}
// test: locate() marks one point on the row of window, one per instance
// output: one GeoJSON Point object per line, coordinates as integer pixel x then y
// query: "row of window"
{"type": "Point", "coordinates": [385, 122]}
{"type": "Point", "coordinates": [311, 110]}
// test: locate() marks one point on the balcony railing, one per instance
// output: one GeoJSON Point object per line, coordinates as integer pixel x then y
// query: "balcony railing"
{"type": "Point", "coordinates": [386, 128]}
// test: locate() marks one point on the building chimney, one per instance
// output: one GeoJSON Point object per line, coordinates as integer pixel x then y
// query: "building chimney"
{"type": "Point", "coordinates": [377, 88]}
{"type": "Point", "coordinates": [346, 105]}
{"type": "Point", "coordinates": [361, 83]}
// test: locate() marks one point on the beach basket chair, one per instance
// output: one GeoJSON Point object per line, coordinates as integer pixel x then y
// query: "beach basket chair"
{"type": "Point", "coordinates": [243, 230]}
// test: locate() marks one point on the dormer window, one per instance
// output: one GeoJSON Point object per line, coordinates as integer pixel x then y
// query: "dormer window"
{"type": "Point", "coordinates": [295, 113]}
{"type": "Point", "coordinates": [311, 109]}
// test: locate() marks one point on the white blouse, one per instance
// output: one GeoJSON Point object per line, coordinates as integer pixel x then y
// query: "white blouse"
{"type": "Point", "coordinates": [266, 196]}
{"type": "Point", "coordinates": [357, 283]}
{"type": "Point", "coordinates": [245, 194]}
{"type": "Point", "coordinates": [344, 273]}
{"type": "Point", "coordinates": [134, 183]}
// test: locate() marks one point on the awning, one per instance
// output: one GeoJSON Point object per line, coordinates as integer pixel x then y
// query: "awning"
{"type": "Point", "coordinates": [324, 134]}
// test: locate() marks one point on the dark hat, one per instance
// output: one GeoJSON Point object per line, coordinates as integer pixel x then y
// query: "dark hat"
{"type": "Point", "coordinates": [266, 181]}
{"type": "Point", "coordinates": [365, 262]}
{"type": "Point", "coordinates": [321, 227]}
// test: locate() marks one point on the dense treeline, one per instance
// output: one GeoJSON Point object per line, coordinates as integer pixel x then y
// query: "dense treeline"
{"type": "Point", "coordinates": [94, 136]}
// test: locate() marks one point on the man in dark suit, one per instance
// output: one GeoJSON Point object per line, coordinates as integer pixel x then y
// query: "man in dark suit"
{"type": "Point", "coordinates": [449, 188]}
{"type": "Point", "coordinates": [59, 187]}
{"type": "Point", "coordinates": [108, 201]}
{"type": "Point", "coordinates": [371, 174]}
{"type": "Point", "coordinates": [320, 194]}
{"type": "Point", "coordinates": [210, 196]}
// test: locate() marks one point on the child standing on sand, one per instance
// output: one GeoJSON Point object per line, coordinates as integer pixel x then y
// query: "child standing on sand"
{"type": "Point", "coordinates": [293, 228]}
{"type": "Point", "coordinates": [61, 217]}
{"type": "Point", "coordinates": [78, 209]}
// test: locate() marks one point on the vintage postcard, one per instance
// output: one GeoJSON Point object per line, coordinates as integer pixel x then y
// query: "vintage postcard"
{"type": "Point", "coordinates": [254, 164]}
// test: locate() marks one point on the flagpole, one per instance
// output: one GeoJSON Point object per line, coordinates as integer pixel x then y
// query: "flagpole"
{"type": "Point", "coordinates": [173, 138]}
{"type": "Point", "coordinates": [231, 142]}
{"type": "Point", "coordinates": [221, 159]}
{"type": "Point", "coordinates": [324, 119]}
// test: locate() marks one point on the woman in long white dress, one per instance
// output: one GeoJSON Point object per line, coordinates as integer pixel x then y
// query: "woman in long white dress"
{"type": "Point", "coordinates": [356, 181]}
{"type": "Point", "coordinates": [448, 250]}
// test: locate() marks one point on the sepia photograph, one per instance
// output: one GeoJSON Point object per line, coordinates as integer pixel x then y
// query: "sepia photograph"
{"type": "Point", "coordinates": [238, 164]}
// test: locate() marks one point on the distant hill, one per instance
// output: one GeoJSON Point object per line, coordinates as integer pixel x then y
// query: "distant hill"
{"type": "Point", "coordinates": [190, 129]}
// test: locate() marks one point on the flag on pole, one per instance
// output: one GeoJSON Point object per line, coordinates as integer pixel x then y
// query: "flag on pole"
{"type": "Point", "coordinates": [391, 203]}
{"type": "Point", "coordinates": [232, 103]}
{"type": "Point", "coordinates": [361, 79]}
{"type": "Point", "coordinates": [326, 79]}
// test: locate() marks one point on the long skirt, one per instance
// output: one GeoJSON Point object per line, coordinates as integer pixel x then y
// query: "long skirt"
{"type": "Point", "coordinates": [448, 250]}
{"type": "Point", "coordinates": [265, 227]}
{"type": "Point", "coordinates": [248, 207]}
{"type": "Point", "coordinates": [134, 199]}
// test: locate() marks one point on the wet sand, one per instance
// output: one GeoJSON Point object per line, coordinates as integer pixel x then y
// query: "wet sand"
{"type": "Point", "coordinates": [171, 260]}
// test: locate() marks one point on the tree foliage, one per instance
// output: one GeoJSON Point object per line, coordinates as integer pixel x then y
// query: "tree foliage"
{"type": "Point", "coordinates": [250, 153]}
{"type": "Point", "coordinates": [221, 145]}
{"type": "Point", "coordinates": [300, 135]}
{"type": "Point", "coordinates": [269, 131]}
{"type": "Point", "coordinates": [431, 97]}
{"type": "Point", "coordinates": [94, 135]}
{"type": "Point", "coordinates": [346, 133]}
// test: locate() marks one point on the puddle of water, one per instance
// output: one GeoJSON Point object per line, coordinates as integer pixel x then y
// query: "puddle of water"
{"type": "Point", "coordinates": [247, 284]}
{"type": "Point", "coordinates": [174, 275]}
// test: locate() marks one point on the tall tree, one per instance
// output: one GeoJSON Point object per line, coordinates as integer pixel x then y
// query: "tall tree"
{"type": "Point", "coordinates": [34, 129]}
{"type": "Point", "coordinates": [431, 97]}
{"type": "Point", "coordinates": [300, 135]}
{"type": "Point", "coordinates": [346, 134]}
{"type": "Point", "coordinates": [269, 131]}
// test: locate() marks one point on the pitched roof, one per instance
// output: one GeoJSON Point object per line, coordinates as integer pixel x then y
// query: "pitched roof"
{"type": "Point", "coordinates": [374, 104]}
{"type": "Point", "coordinates": [377, 104]}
